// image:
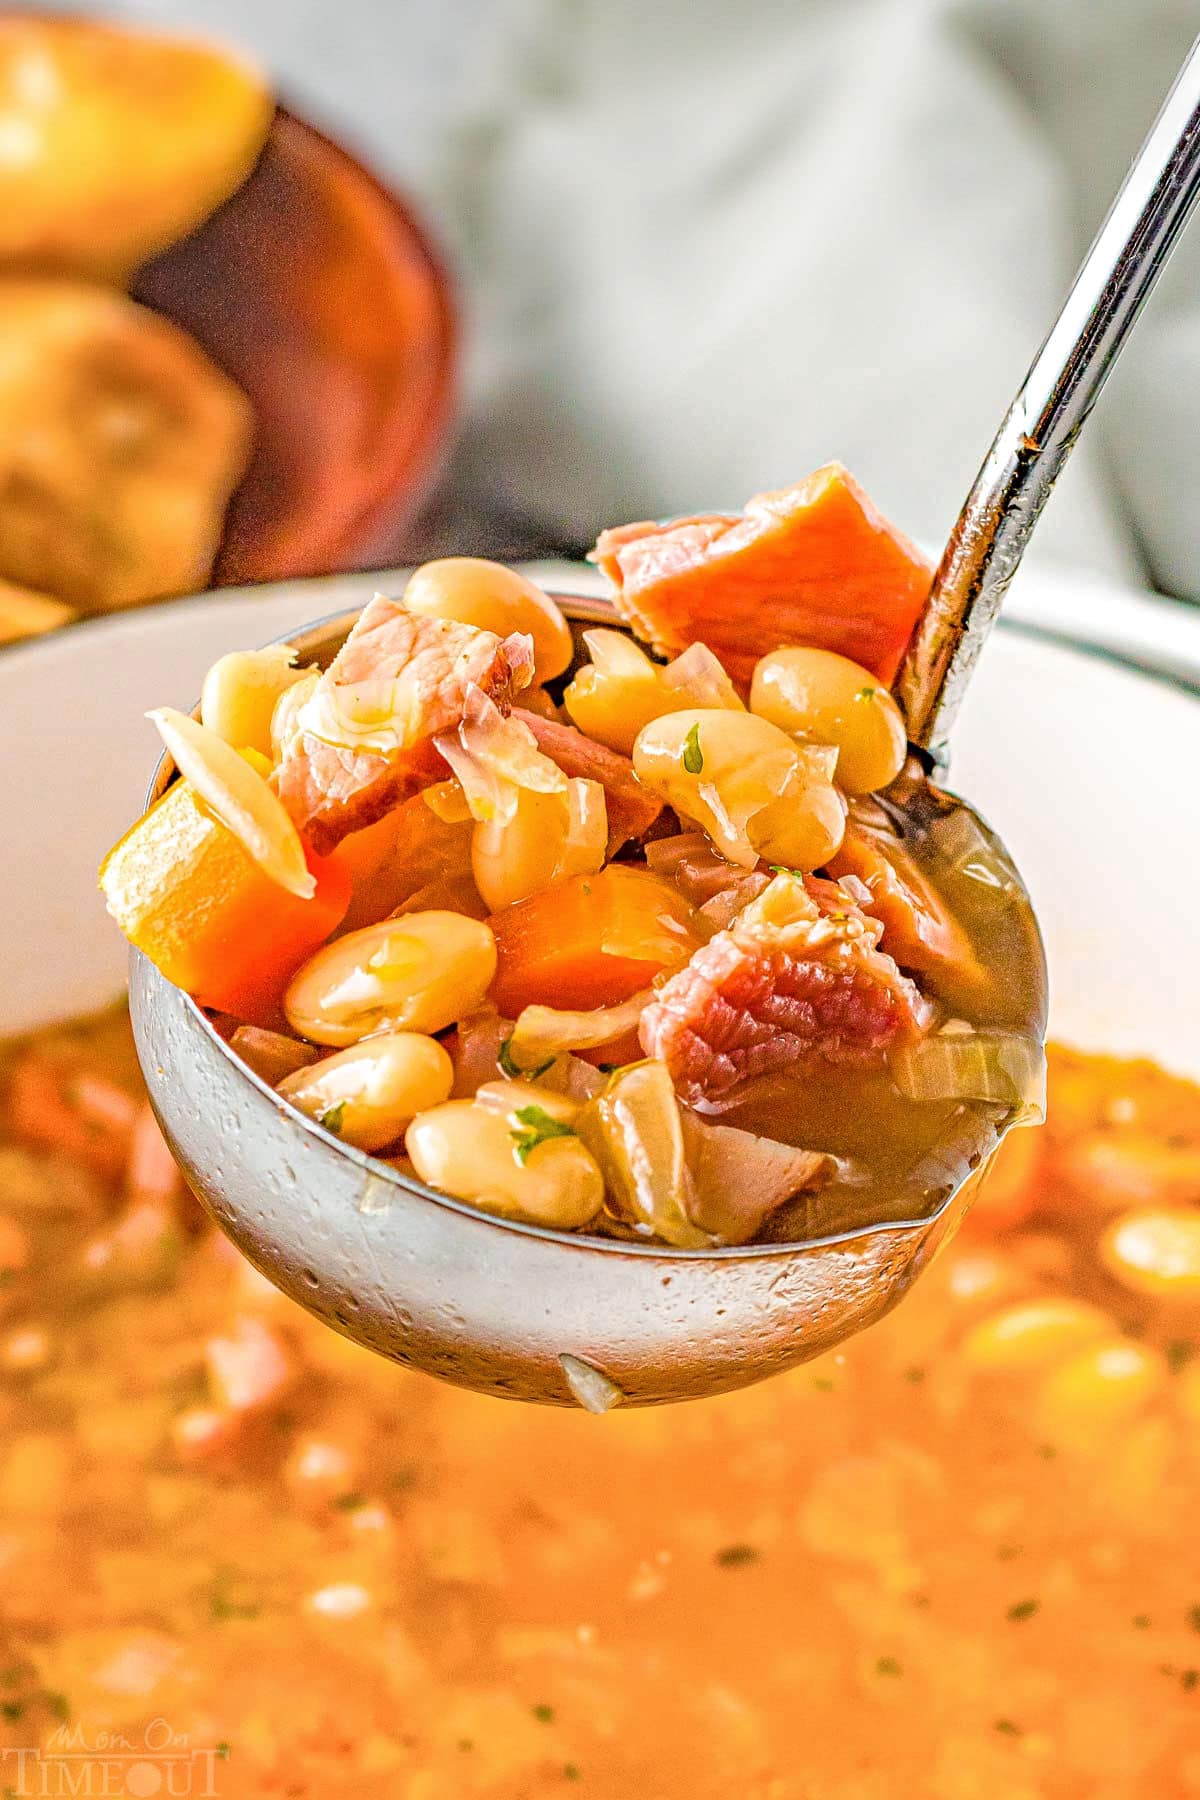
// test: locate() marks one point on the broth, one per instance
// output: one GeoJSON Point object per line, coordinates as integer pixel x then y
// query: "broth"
{"type": "Point", "coordinates": [918, 1567]}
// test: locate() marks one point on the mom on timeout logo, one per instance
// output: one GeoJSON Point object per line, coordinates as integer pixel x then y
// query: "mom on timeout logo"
{"type": "Point", "coordinates": [71, 1765]}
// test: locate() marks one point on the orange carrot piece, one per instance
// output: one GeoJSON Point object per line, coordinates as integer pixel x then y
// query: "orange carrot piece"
{"type": "Point", "coordinates": [815, 563]}
{"type": "Point", "coordinates": [187, 893]}
{"type": "Point", "coordinates": [594, 940]}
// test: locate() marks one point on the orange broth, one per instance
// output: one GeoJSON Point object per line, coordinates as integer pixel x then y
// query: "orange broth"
{"type": "Point", "coordinates": [902, 1571]}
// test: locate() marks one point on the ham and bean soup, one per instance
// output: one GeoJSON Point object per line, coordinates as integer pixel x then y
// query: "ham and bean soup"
{"type": "Point", "coordinates": [955, 1561]}
{"type": "Point", "coordinates": [657, 933]}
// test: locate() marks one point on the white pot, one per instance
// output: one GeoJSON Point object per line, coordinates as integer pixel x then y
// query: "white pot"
{"type": "Point", "coordinates": [1086, 767]}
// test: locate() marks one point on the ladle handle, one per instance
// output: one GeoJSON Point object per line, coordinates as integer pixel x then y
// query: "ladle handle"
{"type": "Point", "coordinates": [1043, 422]}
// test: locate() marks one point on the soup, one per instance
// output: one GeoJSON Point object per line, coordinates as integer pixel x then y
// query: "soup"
{"type": "Point", "coordinates": [240, 1556]}
{"type": "Point", "coordinates": [686, 951]}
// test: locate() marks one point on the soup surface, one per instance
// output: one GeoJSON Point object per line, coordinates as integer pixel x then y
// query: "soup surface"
{"type": "Point", "coordinates": [239, 1556]}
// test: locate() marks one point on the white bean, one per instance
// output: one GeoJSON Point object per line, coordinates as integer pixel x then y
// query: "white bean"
{"type": "Point", "coordinates": [368, 1094]}
{"type": "Point", "coordinates": [420, 972]}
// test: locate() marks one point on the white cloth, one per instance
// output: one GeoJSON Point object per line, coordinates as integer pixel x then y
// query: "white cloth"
{"type": "Point", "coordinates": [708, 244]}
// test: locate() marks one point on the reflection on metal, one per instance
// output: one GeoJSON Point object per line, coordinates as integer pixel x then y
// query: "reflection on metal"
{"type": "Point", "coordinates": [1039, 431]}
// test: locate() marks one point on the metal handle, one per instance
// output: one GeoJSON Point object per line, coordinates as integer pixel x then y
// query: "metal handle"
{"type": "Point", "coordinates": [1043, 422]}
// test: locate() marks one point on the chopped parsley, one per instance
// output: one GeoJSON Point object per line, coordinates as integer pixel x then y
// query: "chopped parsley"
{"type": "Point", "coordinates": [887, 1665]}
{"type": "Point", "coordinates": [693, 755]}
{"type": "Point", "coordinates": [1021, 1609]}
{"type": "Point", "coordinates": [350, 1502]}
{"type": "Point", "coordinates": [1007, 1728]}
{"type": "Point", "coordinates": [543, 1714]}
{"type": "Point", "coordinates": [221, 1602]}
{"type": "Point", "coordinates": [508, 1066]}
{"type": "Point", "coordinates": [572, 1772]}
{"type": "Point", "coordinates": [332, 1118]}
{"type": "Point", "coordinates": [536, 1126]}
{"type": "Point", "coordinates": [866, 693]}
{"type": "Point", "coordinates": [224, 1750]}
{"type": "Point", "coordinates": [736, 1556]}
{"type": "Point", "coordinates": [1140, 1621]}
{"type": "Point", "coordinates": [1189, 1680]}
{"type": "Point", "coordinates": [915, 1374]}
{"type": "Point", "coordinates": [11, 1709]}
{"type": "Point", "coordinates": [609, 1068]}
{"type": "Point", "coordinates": [782, 869]}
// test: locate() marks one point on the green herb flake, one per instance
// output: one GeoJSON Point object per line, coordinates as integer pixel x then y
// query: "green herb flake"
{"type": "Point", "coordinates": [1140, 1621]}
{"type": "Point", "coordinates": [1179, 1353]}
{"type": "Point", "coordinates": [693, 755]}
{"type": "Point", "coordinates": [866, 693]}
{"type": "Point", "coordinates": [536, 1126]}
{"type": "Point", "coordinates": [333, 1118]}
{"type": "Point", "coordinates": [887, 1665]}
{"type": "Point", "coordinates": [823, 1384]}
{"type": "Point", "coordinates": [465, 1744]}
{"type": "Point", "coordinates": [1021, 1609]}
{"type": "Point", "coordinates": [736, 1556]}
{"type": "Point", "coordinates": [224, 1751]}
{"type": "Point", "coordinates": [609, 1068]}
{"type": "Point", "coordinates": [782, 869]}
{"type": "Point", "coordinates": [1189, 1680]}
{"type": "Point", "coordinates": [1007, 1728]}
{"type": "Point", "coordinates": [543, 1714]}
{"type": "Point", "coordinates": [350, 1502]}
{"type": "Point", "coordinates": [11, 1710]}
{"type": "Point", "coordinates": [59, 1705]}
{"type": "Point", "coordinates": [221, 1603]}
{"type": "Point", "coordinates": [508, 1066]}
{"type": "Point", "coordinates": [572, 1772]}
{"type": "Point", "coordinates": [915, 1375]}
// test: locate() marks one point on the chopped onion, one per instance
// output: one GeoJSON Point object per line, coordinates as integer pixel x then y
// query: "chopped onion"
{"type": "Point", "coordinates": [240, 798]}
{"type": "Point", "coordinates": [697, 678]}
{"type": "Point", "coordinates": [965, 1064]}
{"type": "Point", "coordinates": [543, 1031]}
{"type": "Point", "coordinates": [447, 802]}
{"type": "Point", "coordinates": [494, 758]}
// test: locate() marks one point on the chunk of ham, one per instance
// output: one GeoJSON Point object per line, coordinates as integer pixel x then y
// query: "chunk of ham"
{"type": "Point", "coordinates": [632, 809]}
{"type": "Point", "coordinates": [918, 928]}
{"type": "Point", "coordinates": [332, 788]}
{"type": "Point", "coordinates": [797, 975]}
{"type": "Point", "coordinates": [815, 564]}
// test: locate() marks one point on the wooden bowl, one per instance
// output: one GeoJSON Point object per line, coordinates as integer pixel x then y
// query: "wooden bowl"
{"type": "Point", "coordinates": [317, 290]}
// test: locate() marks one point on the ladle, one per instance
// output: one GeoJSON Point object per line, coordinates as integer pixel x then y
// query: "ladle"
{"type": "Point", "coordinates": [534, 1314]}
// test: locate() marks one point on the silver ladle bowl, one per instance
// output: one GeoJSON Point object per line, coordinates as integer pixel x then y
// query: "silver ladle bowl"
{"type": "Point", "coordinates": [490, 1303]}
{"type": "Point", "coordinates": [534, 1314]}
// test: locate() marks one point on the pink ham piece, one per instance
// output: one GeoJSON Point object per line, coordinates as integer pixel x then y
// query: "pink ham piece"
{"type": "Point", "coordinates": [798, 974]}
{"type": "Point", "coordinates": [331, 790]}
{"type": "Point", "coordinates": [632, 809]}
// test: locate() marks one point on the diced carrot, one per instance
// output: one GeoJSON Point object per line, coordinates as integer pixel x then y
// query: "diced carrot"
{"type": "Point", "coordinates": [84, 1117]}
{"type": "Point", "coordinates": [591, 941]}
{"type": "Point", "coordinates": [187, 893]}
{"type": "Point", "coordinates": [811, 564]}
{"type": "Point", "coordinates": [918, 928]}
